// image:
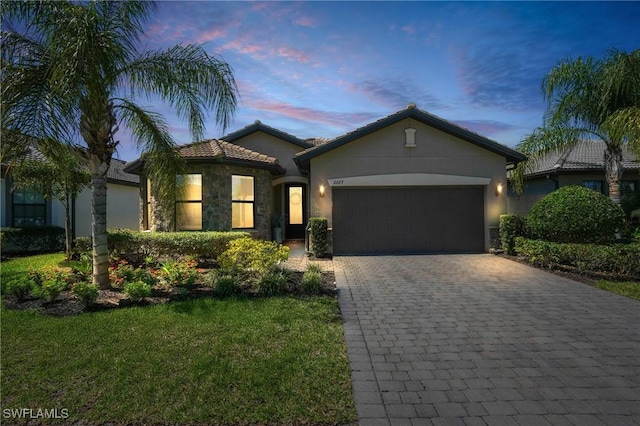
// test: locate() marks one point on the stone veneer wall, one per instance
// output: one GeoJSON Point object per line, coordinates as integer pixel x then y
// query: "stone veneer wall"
{"type": "Point", "coordinates": [216, 199]}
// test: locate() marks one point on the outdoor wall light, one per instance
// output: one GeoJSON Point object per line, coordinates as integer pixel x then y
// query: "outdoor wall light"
{"type": "Point", "coordinates": [499, 189]}
{"type": "Point", "coordinates": [322, 190]}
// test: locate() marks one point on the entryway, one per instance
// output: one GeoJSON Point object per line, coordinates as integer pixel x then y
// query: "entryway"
{"type": "Point", "coordinates": [295, 211]}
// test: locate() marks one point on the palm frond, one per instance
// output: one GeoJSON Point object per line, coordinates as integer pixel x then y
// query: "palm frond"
{"type": "Point", "coordinates": [162, 161]}
{"type": "Point", "coordinates": [536, 146]}
{"type": "Point", "coordinates": [188, 78]}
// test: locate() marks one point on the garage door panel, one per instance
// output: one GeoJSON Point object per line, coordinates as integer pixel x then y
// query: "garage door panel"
{"type": "Point", "coordinates": [408, 220]}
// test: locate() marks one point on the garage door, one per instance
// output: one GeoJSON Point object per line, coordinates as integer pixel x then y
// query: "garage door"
{"type": "Point", "coordinates": [408, 220]}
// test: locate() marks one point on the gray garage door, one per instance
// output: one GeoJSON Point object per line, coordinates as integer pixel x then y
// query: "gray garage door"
{"type": "Point", "coordinates": [408, 220]}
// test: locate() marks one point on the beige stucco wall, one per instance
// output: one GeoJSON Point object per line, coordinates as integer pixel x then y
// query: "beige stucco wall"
{"type": "Point", "coordinates": [274, 147]}
{"type": "Point", "coordinates": [384, 153]}
{"type": "Point", "coordinates": [123, 209]}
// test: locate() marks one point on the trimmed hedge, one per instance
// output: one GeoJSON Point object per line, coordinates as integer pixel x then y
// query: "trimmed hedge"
{"type": "Point", "coordinates": [32, 239]}
{"type": "Point", "coordinates": [511, 227]}
{"type": "Point", "coordinates": [619, 260]}
{"type": "Point", "coordinates": [574, 214]}
{"type": "Point", "coordinates": [199, 245]}
{"type": "Point", "coordinates": [319, 236]}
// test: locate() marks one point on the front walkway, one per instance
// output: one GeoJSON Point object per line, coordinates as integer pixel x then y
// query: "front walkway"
{"type": "Point", "coordinates": [478, 339]}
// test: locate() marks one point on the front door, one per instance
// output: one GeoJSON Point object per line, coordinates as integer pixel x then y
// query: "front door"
{"type": "Point", "coordinates": [295, 212]}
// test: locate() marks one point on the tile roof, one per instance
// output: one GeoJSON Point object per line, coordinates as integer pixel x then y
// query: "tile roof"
{"type": "Point", "coordinates": [115, 173]}
{"type": "Point", "coordinates": [214, 148]}
{"type": "Point", "coordinates": [317, 141]}
{"type": "Point", "coordinates": [585, 155]}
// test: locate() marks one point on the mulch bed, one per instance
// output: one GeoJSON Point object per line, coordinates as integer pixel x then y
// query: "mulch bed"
{"type": "Point", "coordinates": [571, 272]}
{"type": "Point", "coordinates": [66, 304]}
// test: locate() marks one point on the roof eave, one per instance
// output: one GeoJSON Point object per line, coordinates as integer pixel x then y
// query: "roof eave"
{"type": "Point", "coordinates": [259, 127]}
{"type": "Point", "coordinates": [512, 156]}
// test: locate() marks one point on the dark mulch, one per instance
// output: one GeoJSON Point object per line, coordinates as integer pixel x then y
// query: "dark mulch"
{"type": "Point", "coordinates": [66, 304]}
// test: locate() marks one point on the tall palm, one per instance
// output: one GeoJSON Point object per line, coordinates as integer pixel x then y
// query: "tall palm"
{"type": "Point", "coordinates": [589, 99]}
{"type": "Point", "coordinates": [74, 73]}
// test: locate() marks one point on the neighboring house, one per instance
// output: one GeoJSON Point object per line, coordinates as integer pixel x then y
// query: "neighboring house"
{"type": "Point", "coordinates": [25, 208]}
{"type": "Point", "coordinates": [408, 183]}
{"type": "Point", "coordinates": [581, 165]}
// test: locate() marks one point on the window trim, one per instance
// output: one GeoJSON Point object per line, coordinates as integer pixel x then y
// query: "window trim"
{"type": "Point", "coordinates": [252, 202]}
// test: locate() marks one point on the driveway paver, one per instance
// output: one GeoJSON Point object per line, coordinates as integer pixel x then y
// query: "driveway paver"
{"type": "Point", "coordinates": [482, 340]}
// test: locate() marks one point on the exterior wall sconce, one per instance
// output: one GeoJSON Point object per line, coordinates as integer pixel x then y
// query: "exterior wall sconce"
{"type": "Point", "coordinates": [499, 189]}
{"type": "Point", "coordinates": [410, 138]}
{"type": "Point", "coordinates": [322, 190]}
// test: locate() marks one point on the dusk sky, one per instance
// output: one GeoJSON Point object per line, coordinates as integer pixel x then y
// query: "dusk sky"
{"type": "Point", "coordinates": [321, 69]}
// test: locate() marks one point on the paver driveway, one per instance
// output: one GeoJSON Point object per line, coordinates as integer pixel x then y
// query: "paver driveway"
{"type": "Point", "coordinates": [478, 339]}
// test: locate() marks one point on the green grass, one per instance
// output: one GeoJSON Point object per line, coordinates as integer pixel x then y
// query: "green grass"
{"type": "Point", "coordinates": [629, 289]}
{"type": "Point", "coordinates": [10, 269]}
{"type": "Point", "coordinates": [205, 361]}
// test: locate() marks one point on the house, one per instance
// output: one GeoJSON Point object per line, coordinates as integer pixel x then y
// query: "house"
{"type": "Point", "coordinates": [408, 183]}
{"type": "Point", "coordinates": [582, 164]}
{"type": "Point", "coordinates": [25, 208]}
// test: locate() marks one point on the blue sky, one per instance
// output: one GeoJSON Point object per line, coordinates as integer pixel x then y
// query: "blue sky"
{"type": "Point", "coordinates": [321, 69]}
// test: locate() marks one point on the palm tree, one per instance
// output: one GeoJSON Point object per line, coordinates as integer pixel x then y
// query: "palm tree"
{"type": "Point", "coordinates": [589, 99]}
{"type": "Point", "coordinates": [74, 73]}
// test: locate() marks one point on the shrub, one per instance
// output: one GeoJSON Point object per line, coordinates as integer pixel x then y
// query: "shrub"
{"type": "Point", "coordinates": [511, 226]}
{"type": "Point", "coordinates": [179, 273]}
{"type": "Point", "coordinates": [48, 285]}
{"type": "Point", "coordinates": [630, 202]}
{"type": "Point", "coordinates": [121, 273]}
{"type": "Point", "coordinates": [137, 246]}
{"type": "Point", "coordinates": [33, 238]}
{"type": "Point", "coordinates": [312, 282]}
{"type": "Point", "coordinates": [314, 267]}
{"type": "Point", "coordinates": [146, 276]}
{"type": "Point", "coordinates": [86, 292]}
{"type": "Point", "coordinates": [250, 260]}
{"type": "Point", "coordinates": [319, 236]}
{"type": "Point", "coordinates": [19, 288]}
{"type": "Point", "coordinates": [137, 290]}
{"type": "Point", "coordinates": [574, 214]}
{"type": "Point", "coordinates": [273, 283]}
{"type": "Point", "coordinates": [227, 286]}
{"type": "Point", "coordinates": [82, 267]}
{"type": "Point", "coordinates": [621, 260]}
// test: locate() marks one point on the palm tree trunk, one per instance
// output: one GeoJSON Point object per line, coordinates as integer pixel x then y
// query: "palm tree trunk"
{"type": "Point", "coordinates": [613, 169]}
{"type": "Point", "coordinates": [98, 171]}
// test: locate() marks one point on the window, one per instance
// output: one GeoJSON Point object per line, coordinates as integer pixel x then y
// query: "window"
{"type": "Point", "coordinates": [242, 202]}
{"type": "Point", "coordinates": [596, 185]}
{"type": "Point", "coordinates": [29, 208]}
{"type": "Point", "coordinates": [628, 187]}
{"type": "Point", "coordinates": [189, 208]}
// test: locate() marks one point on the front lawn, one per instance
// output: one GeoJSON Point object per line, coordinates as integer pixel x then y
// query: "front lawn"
{"type": "Point", "coordinates": [630, 289]}
{"type": "Point", "coordinates": [204, 361]}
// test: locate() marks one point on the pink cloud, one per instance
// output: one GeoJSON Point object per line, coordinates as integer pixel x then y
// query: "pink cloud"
{"type": "Point", "coordinates": [409, 29]}
{"type": "Point", "coordinates": [343, 120]}
{"type": "Point", "coordinates": [305, 21]}
{"type": "Point", "coordinates": [292, 53]}
{"type": "Point", "coordinates": [210, 35]}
